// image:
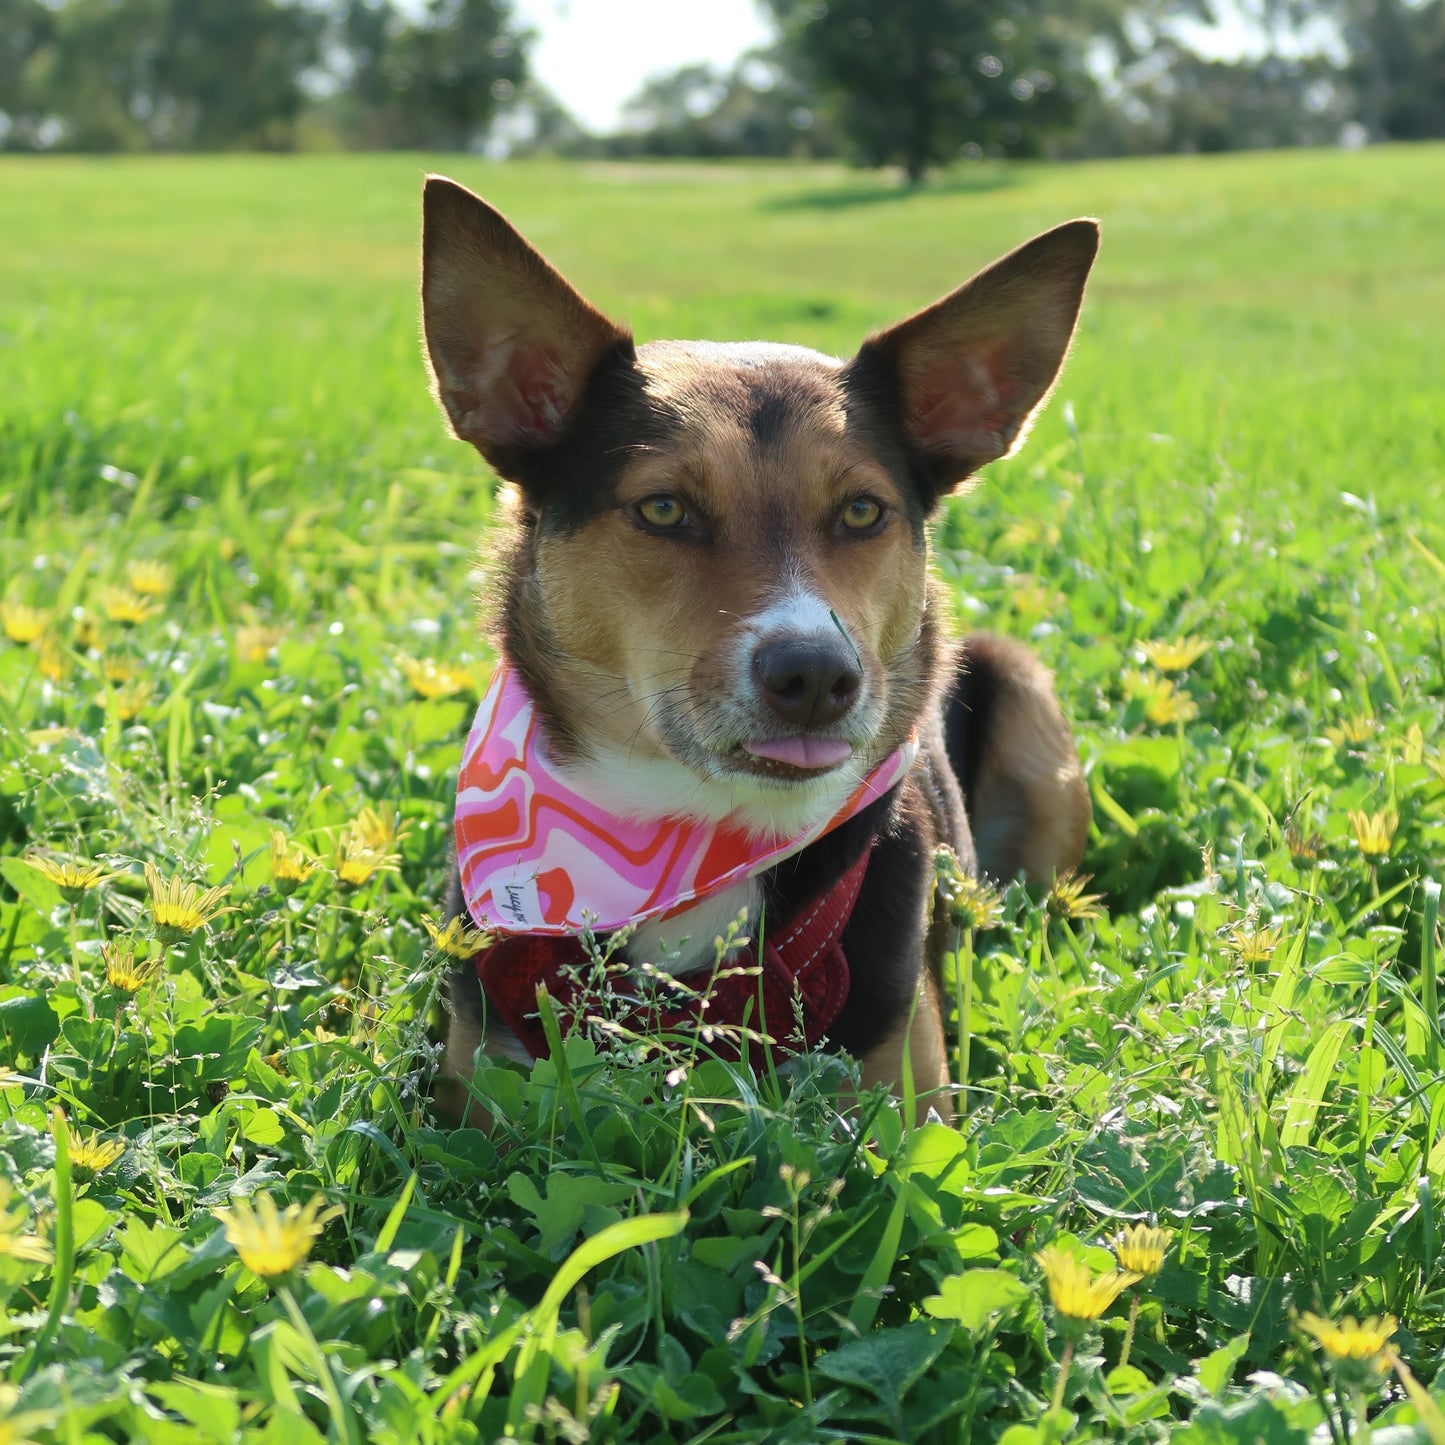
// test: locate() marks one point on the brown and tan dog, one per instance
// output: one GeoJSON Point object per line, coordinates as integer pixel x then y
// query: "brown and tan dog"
{"type": "Point", "coordinates": [715, 586]}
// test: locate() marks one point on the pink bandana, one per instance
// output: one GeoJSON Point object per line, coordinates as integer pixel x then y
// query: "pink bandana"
{"type": "Point", "coordinates": [537, 857]}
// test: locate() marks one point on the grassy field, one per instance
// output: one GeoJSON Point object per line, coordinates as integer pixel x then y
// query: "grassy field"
{"type": "Point", "coordinates": [232, 535]}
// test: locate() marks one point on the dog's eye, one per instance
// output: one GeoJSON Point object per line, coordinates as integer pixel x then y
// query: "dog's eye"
{"type": "Point", "coordinates": [862, 514]}
{"type": "Point", "coordinates": [662, 511]}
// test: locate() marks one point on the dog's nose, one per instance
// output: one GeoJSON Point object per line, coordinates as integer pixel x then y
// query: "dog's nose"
{"type": "Point", "coordinates": [808, 681]}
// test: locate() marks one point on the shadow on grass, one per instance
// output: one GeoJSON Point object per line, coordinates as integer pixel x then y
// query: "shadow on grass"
{"type": "Point", "coordinates": [842, 198]}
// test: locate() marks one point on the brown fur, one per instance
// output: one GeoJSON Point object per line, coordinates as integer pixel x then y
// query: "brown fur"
{"type": "Point", "coordinates": [1025, 792]}
{"type": "Point", "coordinates": [634, 640]}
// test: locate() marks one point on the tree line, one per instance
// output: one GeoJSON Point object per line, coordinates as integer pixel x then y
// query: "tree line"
{"type": "Point", "coordinates": [912, 83]}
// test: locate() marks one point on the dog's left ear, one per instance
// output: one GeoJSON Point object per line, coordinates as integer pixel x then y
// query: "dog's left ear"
{"type": "Point", "coordinates": [971, 370]}
{"type": "Point", "coordinates": [511, 344]}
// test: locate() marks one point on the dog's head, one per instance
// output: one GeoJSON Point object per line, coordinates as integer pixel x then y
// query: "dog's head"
{"type": "Point", "coordinates": [717, 584]}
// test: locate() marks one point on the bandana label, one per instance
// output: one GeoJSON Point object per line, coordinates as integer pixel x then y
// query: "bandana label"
{"type": "Point", "coordinates": [537, 857]}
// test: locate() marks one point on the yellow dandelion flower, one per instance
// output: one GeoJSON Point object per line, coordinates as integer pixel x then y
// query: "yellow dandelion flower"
{"type": "Point", "coordinates": [1374, 832]}
{"type": "Point", "coordinates": [126, 607]}
{"type": "Point", "coordinates": [116, 669]}
{"type": "Point", "coordinates": [94, 1153]}
{"type": "Point", "coordinates": [269, 1241]}
{"type": "Point", "coordinates": [51, 660]}
{"type": "Point", "coordinates": [1305, 849]}
{"type": "Point", "coordinates": [1028, 532]}
{"type": "Point", "coordinates": [456, 938]}
{"type": "Point", "coordinates": [1177, 655]}
{"type": "Point", "coordinates": [1075, 1290]}
{"type": "Point", "coordinates": [1353, 732]}
{"type": "Point", "coordinates": [1140, 1249]}
{"type": "Point", "coordinates": [179, 908]}
{"type": "Point", "coordinates": [73, 877]}
{"type": "Point", "coordinates": [28, 1248]}
{"type": "Point", "coordinates": [290, 867]}
{"type": "Point", "coordinates": [129, 700]}
{"type": "Point", "coordinates": [970, 902]}
{"type": "Point", "coordinates": [1028, 596]}
{"type": "Point", "coordinates": [22, 624]}
{"type": "Point", "coordinates": [1067, 899]}
{"type": "Point", "coordinates": [124, 971]}
{"type": "Point", "coordinates": [15, 1241]}
{"type": "Point", "coordinates": [1166, 705]}
{"type": "Point", "coordinates": [255, 643]}
{"type": "Point", "coordinates": [377, 828]}
{"type": "Point", "coordinates": [1252, 945]}
{"type": "Point", "coordinates": [357, 864]}
{"type": "Point", "coordinates": [432, 679]}
{"type": "Point", "coordinates": [150, 579]}
{"type": "Point", "coordinates": [87, 630]}
{"type": "Point", "coordinates": [1349, 1338]}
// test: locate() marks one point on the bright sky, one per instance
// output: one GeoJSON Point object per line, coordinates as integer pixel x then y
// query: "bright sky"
{"type": "Point", "coordinates": [594, 54]}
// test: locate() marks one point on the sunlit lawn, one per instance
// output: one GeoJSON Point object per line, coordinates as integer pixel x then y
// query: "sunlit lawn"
{"type": "Point", "coordinates": [231, 526]}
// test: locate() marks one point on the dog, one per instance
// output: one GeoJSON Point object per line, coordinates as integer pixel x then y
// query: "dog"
{"type": "Point", "coordinates": [721, 643]}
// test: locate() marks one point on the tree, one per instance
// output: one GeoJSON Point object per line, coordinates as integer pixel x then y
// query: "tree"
{"type": "Point", "coordinates": [757, 108]}
{"type": "Point", "coordinates": [173, 74]}
{"type": "Point", "coordinates": [26, 28]}
{"type": "Point", "coordinates": [433, 76]}
{"type": "Point", "coordinates": [919, 81]}
{"type": "Point", "coordinates": [1397, 62]}
{"type": "Point", "coordinates": [1173, 100]}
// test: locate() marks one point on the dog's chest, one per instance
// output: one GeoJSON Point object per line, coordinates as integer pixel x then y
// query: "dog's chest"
{"type": "Point", "coordinates": [689, 940]}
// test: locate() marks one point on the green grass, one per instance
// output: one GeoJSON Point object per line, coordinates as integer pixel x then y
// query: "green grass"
{"type": "Point", "coordinates": [213, 364]}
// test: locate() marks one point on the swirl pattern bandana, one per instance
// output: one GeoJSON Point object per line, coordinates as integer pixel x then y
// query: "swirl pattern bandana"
{"type": "Point", "coordinates": [537, 857]}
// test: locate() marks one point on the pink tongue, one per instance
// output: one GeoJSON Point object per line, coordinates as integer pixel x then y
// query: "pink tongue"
{"type": "Point", "coordinates": [801, 752]}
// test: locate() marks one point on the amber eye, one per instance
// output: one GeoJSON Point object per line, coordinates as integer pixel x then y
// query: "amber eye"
{"type": "Point", "coordinates": [861, 514]}
{"type": "Point", "coordinates": [662, 511]}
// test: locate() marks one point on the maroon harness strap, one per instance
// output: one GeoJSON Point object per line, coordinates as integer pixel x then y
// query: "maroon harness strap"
{"type": "Point", "coordinates": [803, 974]}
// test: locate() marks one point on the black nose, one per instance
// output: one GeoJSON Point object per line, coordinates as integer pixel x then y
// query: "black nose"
{"type": "Point", "coordinates": [808, 681]}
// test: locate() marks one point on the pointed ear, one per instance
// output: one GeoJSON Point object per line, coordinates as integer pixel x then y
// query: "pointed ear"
{"type": "Point", "coordinates": [511, 344]}
{"type": "Point", "coordinates": [971, 370]}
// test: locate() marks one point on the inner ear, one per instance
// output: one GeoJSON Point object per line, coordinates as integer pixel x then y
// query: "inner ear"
{"type": "Point", "coordinates": [972, 370]}
{"type": "Point", "coordinates": [510, 342]}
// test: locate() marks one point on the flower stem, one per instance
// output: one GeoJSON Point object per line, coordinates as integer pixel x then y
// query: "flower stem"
{"type": "Point", "coordinates": [1129, 1332]}
{"type": "Point", "coordinates": [963, 962]}
{"type": "Point", "coordinates": [1063, 1380]}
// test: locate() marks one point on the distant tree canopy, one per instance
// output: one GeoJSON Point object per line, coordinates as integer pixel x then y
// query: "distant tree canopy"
{"type": "Point", "coordinates": [436, 80]}
{"type": "Point", "coordinates": [243, 74]}
{"type": "Point", "coordinates": [912, 83]}
{"type": "Point", "coordinates": [757, 108]}
{"type": "Point", "coordinates": [915, 82]}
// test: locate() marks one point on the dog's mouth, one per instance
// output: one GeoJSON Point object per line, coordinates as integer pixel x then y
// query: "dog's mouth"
{"type": "Point", "coordinates": [791, 757]}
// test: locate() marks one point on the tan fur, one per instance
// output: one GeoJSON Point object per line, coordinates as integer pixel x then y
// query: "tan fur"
{"type": "Point", "coordinates": [508, 341]}
{"type": "Point", "coordinates": [627, 605]}
{"type": "Point", "coordinates": [927, 1061]}
{"type": "Point", "coordinates": [1030, 805]}
{"type": "Point", "coordinates": [978, 365]}
{"type": "Point", "coordinates": [639, 646]}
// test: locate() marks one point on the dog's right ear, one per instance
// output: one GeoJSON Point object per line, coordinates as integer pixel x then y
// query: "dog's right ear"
{"type": "Point", "coordinates": [511, 344]}
{"type": "Point", "coordinates": [971, 371]}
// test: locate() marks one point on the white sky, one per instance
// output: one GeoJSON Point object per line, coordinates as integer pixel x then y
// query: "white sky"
{"type": "Point", "coordinates": [594, 54]}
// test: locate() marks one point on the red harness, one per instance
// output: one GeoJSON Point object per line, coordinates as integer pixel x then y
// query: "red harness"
{"type": "Point", "coordinates": [803, 973]}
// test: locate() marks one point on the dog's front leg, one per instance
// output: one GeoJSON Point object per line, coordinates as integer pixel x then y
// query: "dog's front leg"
{"type": "Point", "coordinates": [915, 1048]}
